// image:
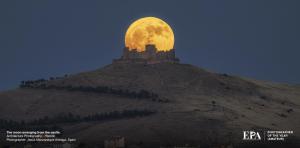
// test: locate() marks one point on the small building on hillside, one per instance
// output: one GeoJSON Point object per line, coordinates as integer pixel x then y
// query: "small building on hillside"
{"type": "Point", "coordinates": [115, 142]}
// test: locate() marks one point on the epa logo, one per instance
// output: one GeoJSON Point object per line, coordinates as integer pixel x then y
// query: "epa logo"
{"type": "Point", "coordinates": [251, 135]}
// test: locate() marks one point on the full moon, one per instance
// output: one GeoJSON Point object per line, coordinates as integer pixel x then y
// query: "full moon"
{"type": "Point", "coordinates": [149, 30]}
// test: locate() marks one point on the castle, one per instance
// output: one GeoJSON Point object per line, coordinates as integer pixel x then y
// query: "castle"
{"type": "Point", "coordinates": [150, 56]}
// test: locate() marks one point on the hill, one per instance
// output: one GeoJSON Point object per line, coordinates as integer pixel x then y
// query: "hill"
{"type": "Point", "coordinates": [191, 105]}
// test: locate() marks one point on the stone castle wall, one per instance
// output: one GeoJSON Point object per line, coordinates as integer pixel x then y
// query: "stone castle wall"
{"type": "Point", "coordinates": [149, 56]}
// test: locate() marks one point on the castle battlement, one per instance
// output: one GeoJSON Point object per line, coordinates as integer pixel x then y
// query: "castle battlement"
{"type": "Point", "coordinates": [150, 56]}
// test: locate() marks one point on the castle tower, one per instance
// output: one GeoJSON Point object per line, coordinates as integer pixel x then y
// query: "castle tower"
{"type": "Point", "coordinates": [150, 51]}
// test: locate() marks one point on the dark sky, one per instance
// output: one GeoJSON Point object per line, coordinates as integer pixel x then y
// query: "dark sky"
{"type": "Point", "coordinates": [257, 38]}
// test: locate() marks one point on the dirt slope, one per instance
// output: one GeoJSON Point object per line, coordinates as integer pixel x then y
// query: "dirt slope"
{"type": "Point", "coordinates": [204, 106]}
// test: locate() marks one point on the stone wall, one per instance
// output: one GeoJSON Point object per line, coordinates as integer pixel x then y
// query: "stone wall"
{"type": "Point", "coordinates": [150, 56]}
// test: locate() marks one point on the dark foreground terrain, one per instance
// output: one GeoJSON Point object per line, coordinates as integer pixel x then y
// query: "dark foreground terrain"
{"type": "Point", "coordinates": [167, 105]}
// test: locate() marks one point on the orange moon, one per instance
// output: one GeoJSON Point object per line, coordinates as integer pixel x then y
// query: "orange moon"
{"type": "Point", "coordinates": [149, 30]}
